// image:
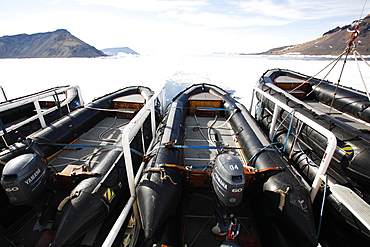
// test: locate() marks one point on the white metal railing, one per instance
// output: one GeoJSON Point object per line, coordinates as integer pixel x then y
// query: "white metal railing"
{"type": "Point", "coordinates": [331, 139]}
{"type": "Point", "coordinates": [356, 205]}
{"type": "Point", "coordinates": [72, 92]}
{"type": "Point", "coordinates": [128, 133]}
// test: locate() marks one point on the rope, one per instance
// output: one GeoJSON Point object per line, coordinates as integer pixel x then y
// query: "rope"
{"type": "Point", "coordinates": [209, 131]}
{"type": "Point", "coordinates": [103, 109]}
{"type": "Point", "coordinates": [199, 232]}
{"type": "Point", "coordinates": [288, 134]}
{"type": "Point", "coordinates": [220, 126]}
{"type": "Point", "coordinates": [354, 35]}
{"type": "Point", "coordinates": [204, 108]}
{"type": "Point", "coordinates": [340, 75]}
{"type": "Point", "coordinates": [201, 132]}
{"type": "Point", "coordinates": [282, 198]}
{"type": "Point", "coordinates": [265, 148]}
{"type": "Point", "coordinates": [213, 108]}
{"type": "Point", "coordinates": [162, 172]}
{"type": "Point", "coordinates": [227, 120]}
{"type": "Point", "coordinates": [295, 140]}
{"type": "Point", "coordinates": [322, 206]}
{"type": "Point", "coordinates": [363, 8]}
{"type": "Point", "coordinates": [285, 118]}
{"type": "Point", "coordinates": [187, 169]}
{"type": "Point", "coordinates": [335, 60]}
{"type": "Point", "coordinates": [209, 139]}
{"type": "Point", "coordinates": [310, 161]}
{"type": "Point", "coordinates": [90, 146]}
{"type": "Point", "coordinates": [261, 171]}
{"type": "Point", "coordinates": [109, 128]}
{"type": "Point", "coordinates": [190, 169]}
{"type": "Point", "coordinates": [66, 199]}
{"type": "Point", "coordinates": [359, 71]}
{"type": "Point", "coordinates": [170, 145]}
{"type": "Point", "coordinates": [297, 133]}
{"type": "Point", "coordinates": [351, 46]}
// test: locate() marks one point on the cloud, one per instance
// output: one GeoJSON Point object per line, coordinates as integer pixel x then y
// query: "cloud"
{"type": "Point", "coordinates": [149, 26]}
{"type": "Point", "coordinates": [145, 5]}
{"type": "Point", "coordinates": [300, 9]}
{"type": "Point", "coordinates": [217, 20]}
{"type": "Point", "coordinates": [236, 13]}
{"type": "Point", "coordinates": [192, 12]}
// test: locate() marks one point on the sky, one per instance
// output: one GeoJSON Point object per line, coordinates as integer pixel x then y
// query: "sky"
{"type": "Point", "coordinates": [182, 26]}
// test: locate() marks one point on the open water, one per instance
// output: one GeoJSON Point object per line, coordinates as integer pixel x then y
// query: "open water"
{"type": "Point", "coordinates": [99, 76]}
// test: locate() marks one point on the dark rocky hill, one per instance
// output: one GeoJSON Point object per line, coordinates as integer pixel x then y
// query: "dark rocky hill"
{"type": "Point", "coordinates": [116, 50]}
{"type": "Point", "coordinates": [333, 42]}
{"type": "Point", "coordinates": [59, 43]}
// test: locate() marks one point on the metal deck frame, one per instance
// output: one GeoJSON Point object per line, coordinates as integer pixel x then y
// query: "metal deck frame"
{"type": "Point", "coordinates": [356, 205]}
{"type": "Point", "coordinates": [35, 99]}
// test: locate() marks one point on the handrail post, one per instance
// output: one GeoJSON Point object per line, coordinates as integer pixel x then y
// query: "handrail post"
{"type": "Point", "coordinates": [152, 118]}
{"type": "Point", "coordinates": [128, 164]}
{"type": "Point", "coordinates": [164, 100]}
{"type": "Point", "coordinates": [325, 162]}
{"type": "Point", "coordinates": [273, 121]}
{"type": "Point", "coordinates": [80, 95]}
{"type": "Point", "coordinates": [39, 114]}
{"type": "Point", "coordinates": [252, 101]}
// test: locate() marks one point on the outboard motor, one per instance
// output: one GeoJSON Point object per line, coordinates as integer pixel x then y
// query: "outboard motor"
{"type": "Point", "coordinates": [228, 179]}
{"type": "Point", "coordinates": [24, 180]}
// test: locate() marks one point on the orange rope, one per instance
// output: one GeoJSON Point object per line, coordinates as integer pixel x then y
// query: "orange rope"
{"type": "Point", "coordinates": [262, 170]}
{"type": "Point", "coordinates": [354, 35]}
{"type": "Point", "coordinates": [204, 172]}
{"type": "Point", "coordinates": [184, 169]}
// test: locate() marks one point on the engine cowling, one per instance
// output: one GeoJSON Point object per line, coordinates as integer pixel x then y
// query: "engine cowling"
{"type": "Point", "coordinates": [228, 179]}
{"type": "Point", "coordinates": [24, 179]}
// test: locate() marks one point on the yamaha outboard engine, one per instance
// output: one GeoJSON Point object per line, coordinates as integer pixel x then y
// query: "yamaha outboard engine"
{"type": "Point", "coordinates": [23, 179]}
{"type": "Point", "coordinates": [228, 179]}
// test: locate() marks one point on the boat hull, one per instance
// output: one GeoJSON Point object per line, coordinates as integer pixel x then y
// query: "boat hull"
{"type": "Point", "coordinates": [158, 197]}
{"type": "Point", "coordinates": [349, 166]}
{"type": "Point", "coordinates": [89, 191]}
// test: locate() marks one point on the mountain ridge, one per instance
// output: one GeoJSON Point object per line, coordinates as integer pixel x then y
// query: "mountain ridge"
{"type": "Point", "coordinates": [116, 50]}
{"type": "Point", "coordinates": [332, 42]}
{"type": "Point", "coordinates": [59, 43]}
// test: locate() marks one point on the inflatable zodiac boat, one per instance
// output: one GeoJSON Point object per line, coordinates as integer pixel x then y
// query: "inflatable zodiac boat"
{"type": "Point", "coordinates": [25, 115]}
{"type": "Point", "coordinates": [213, 179]}
{"type": "Point", "coordinates": [72, 173]}
{"type": "Point", "coordinates": [343, 111]}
